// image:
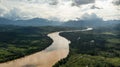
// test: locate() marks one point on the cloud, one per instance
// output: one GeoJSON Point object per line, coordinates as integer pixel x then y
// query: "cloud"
{"type": "Point", "coordinates": [81, 2]}
{"type": "Point", "coordinates": [14, 14]}
{"type": "Point", "coordinates": [3, 10]}
{"type": "Point", "coordinates": [116, 2]}
{"type": "Point", "coordinates": [62, 10]}
{"type": "Point", "coordinates": [108, 11]}
{"type": "Point", "coordinates": [92, 17]}
{"type": "Point", "coordinates": [94, 7]}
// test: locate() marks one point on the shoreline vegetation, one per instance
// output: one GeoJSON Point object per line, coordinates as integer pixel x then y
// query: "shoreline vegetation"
{"type": "Point", "coordinates": [94, 48]}
{"type": "Point", "coordinates": [17, 42]}
{"type": "Point", "coordinates": [46, 58]}
{"type": "Point", "coordinates": [20, 42]}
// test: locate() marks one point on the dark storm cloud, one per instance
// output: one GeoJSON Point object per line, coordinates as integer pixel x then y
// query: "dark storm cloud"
{"type": "Point", "coordinates": [116, 2]}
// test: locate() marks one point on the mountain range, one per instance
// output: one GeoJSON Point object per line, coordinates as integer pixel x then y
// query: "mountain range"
{"type": "Point", "coordinates": [30, 22]}
{"type": "Point", "coordinates": [44, 22]}
{"type": "Point", "coordinates": [91, 23]}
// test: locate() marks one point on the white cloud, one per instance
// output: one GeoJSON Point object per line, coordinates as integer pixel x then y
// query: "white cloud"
{"type": "Point", "coordinates": [62, 10]}
{"type": "Point", "coordinates": [109, 11]}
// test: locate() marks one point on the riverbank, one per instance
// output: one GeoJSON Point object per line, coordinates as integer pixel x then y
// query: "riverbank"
{"type": "Point", "coordinates": [59, 49]}
{"type": "Point", "coordinates": [92, 49]}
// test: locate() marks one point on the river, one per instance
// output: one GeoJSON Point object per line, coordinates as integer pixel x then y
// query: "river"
{"type": "Point", "coordinates": [58, 50]}
{"type": "Point", "coordinates": [47, 58]}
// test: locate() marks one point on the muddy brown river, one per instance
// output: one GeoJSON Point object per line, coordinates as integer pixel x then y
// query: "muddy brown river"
{"type": "Point", "coordinates": [59, 49]}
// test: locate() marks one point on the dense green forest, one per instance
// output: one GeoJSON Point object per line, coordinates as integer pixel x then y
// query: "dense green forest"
{"type": "Point", "coordinates": [97, 48]}
{"type": "Point", "coordinates": [17, 41]}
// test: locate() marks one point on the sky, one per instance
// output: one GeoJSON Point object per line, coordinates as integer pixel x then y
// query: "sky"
{"type": "Point", "coordinates": [61, 10]}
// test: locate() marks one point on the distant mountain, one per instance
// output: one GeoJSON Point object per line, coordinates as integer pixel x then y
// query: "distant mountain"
{"type": "Point", "coordinates": [91, 23]}
{"type": "Point", "coordinates": [44, 22]}
{"type": "Point", "coordinates": [30, 22]}
{"type": "Point", "coordinates": [6, 21]}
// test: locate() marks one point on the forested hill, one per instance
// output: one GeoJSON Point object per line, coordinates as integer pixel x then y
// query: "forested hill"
{"type": "Point", "coordinates": [30, 22]}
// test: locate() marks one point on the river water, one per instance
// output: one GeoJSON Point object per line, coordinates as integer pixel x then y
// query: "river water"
{"type": "Point", "coordinates": [59, 49]}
